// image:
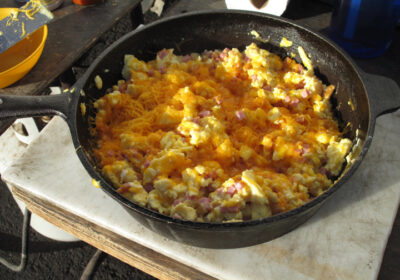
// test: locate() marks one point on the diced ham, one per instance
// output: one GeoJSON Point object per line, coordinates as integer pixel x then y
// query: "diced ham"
{"type": "Point", "coordinates": [230, 209]}
{"type": "Point", "coordinates": [204, 202]}
{"type": "Point", "coordinates": [231, 190]}
{"type": "Point", "coordinates": [323, 171]}
{"type": "Point", "coordinates": [186, 58]}
{"type": "Point", "coordinates": [122, 87]}
{"type": "Point", "coordinates": [208, 189]}
{"type": "Point", "coordinates": [299, 85]}
{"type": "Point", "coordinates": [300, 119]}
{"type": "Point", "coordinates": [300, 68]}
{"type": "Point", "coordinates": [299, 151]}
{"type": "Point", "coordinates": [305, 93]}
{"type": "Point", "coordinates": [148, 187]}
{"type": "Point", "coordinates": [223, 54]}
{"type": "Point", "coordinates": [306, 149]}
{"type": "Point", "coordinates": [190, 197]}
{"type": "Point", "coordinates": [196, 120]}
{"type": "Point", "coordinates": [162, 69]}
{"type": "Point", "coordinates": [220, 192]}
{"type": "Point", "coordinates": [240, 115]}
{"type": "Point", "coordinates": [210, 175]}
{"type": "Point", "coordinates": [212, 67]}
{"type": "Point", "coordinates": [146, 163]}
{"type": "Point", "coordinates": [163, 53]}
{"type": "Point", "coordinates": [123, 189]}
{"type": "Point", "coordinates": [295, 101]}
{"type": "Point", "coordinates": [177, 216]}
{"type": "Point", "coordinates": [209, 54]}
{"type": "Point", "coordinates": [176, 202]}
{"type": "Point", "coordinates": [267, 87]}
{"type": "Point", "coordinates": [203, 114]}
{"type": "Point", "coordinates": [239, 186]}
{"type": "Point", "coordinates": [125, 156]}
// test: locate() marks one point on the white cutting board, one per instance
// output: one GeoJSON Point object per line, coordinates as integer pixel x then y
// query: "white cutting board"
{"type": "Point", "coordinates": [346, 239]}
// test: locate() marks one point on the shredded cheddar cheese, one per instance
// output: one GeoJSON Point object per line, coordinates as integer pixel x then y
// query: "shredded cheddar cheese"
{"type": "Point", "coordinates": [285, 43]}
{"type": "Point", "coordinates": [23, 30]}
{"type": "Point", "coordinates": [221, 136]}
{"type": "Point", "coordinates": [306, 61]}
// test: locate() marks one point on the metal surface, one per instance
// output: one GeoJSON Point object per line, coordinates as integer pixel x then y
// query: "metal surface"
{"type": "Point", "coordinates": [219, 29]}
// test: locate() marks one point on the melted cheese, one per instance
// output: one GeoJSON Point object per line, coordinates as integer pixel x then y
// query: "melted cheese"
{"type": "Point", "coordinates": [219, 136]}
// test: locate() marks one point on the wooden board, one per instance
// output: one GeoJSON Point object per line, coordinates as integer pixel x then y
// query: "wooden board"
{"type": "Point", "coordinates": [122, 248]}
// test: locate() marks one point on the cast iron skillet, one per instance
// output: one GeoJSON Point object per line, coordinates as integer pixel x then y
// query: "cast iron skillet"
{"type": "Point", "coordinates": [210, 30]}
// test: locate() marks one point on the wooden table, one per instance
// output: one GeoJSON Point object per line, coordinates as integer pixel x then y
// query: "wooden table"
{"type": "Point", "coordinates": [72, 32]}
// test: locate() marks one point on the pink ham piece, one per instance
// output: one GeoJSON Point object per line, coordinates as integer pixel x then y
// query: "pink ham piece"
{"type": "Point", "coordinates": [305, 93]}
{"type": "Point", "coordinates": [186, 58]}
{"type": "Point", "coordinates": [177, 216]}
{"type": "Point", "coordinates": [239, 186]}
{"type": "Point", "coordinates": [204, 203]}
{"type": "Point", "coordinates": [231, 190]}
{"type": "Point", "coordinates": [162, 69]}
{"type": "Point", "coordinates": [231, 209]}
{"type": "Point", "coordinates": [203, 114]}
{"type": "Point", "coordinates": [295, 101]}
{"type": "Point", "coordinates": [163, 53]}
{"type": "Point", "coordinates": [148, 187]}
{"type": "Point", "coordinates": [176, 202]}
{"type": "Point", "coordinates": [240, 115]}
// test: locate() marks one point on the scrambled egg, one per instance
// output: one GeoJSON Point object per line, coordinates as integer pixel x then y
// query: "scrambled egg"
{"type": "Point", "coordinates": [221, 136]}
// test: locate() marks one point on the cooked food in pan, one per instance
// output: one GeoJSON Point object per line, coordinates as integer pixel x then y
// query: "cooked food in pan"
{"type": "Point", "coordinates": [220, 136]}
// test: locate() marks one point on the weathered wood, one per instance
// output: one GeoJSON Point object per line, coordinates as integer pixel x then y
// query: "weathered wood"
{"type": "Point", "coordinates": [126, 250]}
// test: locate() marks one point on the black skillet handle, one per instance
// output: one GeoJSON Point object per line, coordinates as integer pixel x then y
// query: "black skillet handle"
{"type": "Point", "coordinates": [384, 93]}
{"type": "Point", "coordinates": [33, 106]}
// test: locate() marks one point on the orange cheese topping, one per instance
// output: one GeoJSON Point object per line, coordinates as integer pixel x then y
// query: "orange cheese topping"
{"type": "Point", "coordinates": [219, 136]}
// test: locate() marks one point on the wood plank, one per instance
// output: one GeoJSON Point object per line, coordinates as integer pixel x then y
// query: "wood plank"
{"type": "Point", "coordinates": [126, 250]}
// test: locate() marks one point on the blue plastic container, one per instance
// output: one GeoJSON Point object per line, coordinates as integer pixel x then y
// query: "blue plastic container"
{"type": "Point", "coordinates": [364, 28]}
